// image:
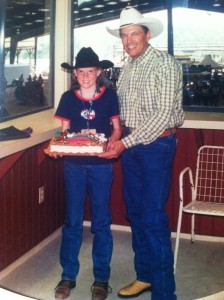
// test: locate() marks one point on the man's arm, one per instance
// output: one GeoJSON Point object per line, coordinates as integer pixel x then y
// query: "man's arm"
{"type": "Point", "coordinates": [113, 149]}
{"type": "Point", "coordinates": [117, 131]}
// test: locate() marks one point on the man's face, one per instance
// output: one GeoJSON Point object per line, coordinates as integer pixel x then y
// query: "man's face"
{"type": "Point", "coordinates": [135, 40]}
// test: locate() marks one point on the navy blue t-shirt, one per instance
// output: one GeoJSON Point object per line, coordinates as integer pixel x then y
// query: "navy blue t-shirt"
{"type": "Point", "coordinates": [105, 106]}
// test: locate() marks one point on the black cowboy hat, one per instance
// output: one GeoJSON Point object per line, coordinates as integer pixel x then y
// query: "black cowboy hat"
{"type": "Point", "coordinates": [88, 58]}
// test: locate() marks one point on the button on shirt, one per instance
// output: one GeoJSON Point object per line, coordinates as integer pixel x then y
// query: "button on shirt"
{"type": "Point", "coordinates": [150, 90]}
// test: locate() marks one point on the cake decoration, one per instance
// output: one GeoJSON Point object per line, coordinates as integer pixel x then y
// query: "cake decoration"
{"type": "Point", "coordinates": [87, 143]}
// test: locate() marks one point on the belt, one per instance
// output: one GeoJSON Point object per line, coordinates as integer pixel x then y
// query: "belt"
{"type": "Point", "coordinates": [167, 132]}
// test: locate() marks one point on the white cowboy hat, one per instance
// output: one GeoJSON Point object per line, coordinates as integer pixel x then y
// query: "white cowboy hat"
{"type": "Point", "coordinates": [130, 16]}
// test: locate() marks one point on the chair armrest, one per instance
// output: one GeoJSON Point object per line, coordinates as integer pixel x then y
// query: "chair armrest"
{"type": "Point", "coordinates": [181, 183]}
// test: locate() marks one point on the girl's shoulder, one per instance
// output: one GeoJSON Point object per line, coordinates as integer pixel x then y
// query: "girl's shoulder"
{"type": "Point", "coordinates": [69, 93]}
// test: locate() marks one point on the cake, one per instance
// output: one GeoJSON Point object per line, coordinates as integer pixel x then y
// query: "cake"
{"type": "Point", "coordinates": [65, 143]}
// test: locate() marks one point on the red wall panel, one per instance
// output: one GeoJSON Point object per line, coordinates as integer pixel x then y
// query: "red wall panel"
{"type": "Point", "coordinates": [189, 141]}
{"type": "Point", "coordinates": [24, 222]}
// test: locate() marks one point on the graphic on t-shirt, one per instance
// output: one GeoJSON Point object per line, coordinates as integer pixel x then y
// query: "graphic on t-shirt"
{"type": "Point", "coordinates": [88, 114]}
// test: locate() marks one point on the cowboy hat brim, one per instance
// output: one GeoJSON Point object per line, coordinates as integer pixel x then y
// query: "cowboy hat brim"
{"type": "Point", "coordinates": [103, 64]}
{"type": "Point", "coordinates": [66, 66]}
{"type": "Point", "coordinates": [155, 27]}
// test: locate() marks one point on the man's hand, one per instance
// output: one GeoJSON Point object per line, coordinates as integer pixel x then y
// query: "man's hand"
{"type": "Point", "coordinates": [114, 149]}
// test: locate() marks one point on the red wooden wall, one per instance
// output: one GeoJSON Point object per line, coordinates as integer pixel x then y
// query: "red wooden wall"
{"type": "Point", "coordinates": [189, 141]}
{"type": "Point", "coordinates": [24, 222]}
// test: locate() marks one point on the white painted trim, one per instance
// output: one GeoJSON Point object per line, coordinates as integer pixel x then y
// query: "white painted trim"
{"type": "Point", "coordinates": [62, 47]}
{"type": "Point", "coordinates": [57, 233]}
{"type": "Point", "coordinates": [218, 296]}
{"type": "Point", "coordinates": [30, 253]}
{"type": "Point", "coordinates": [44, 126]}
{"type": "Point", "coordinates": [113, 226]}
{"type": "Point", "coordinates": [203, 120]}
{"type": "Point", "coordinates": [205, 238]}
{"type": "Point", "coordinates": [9, 295]}
{"type": "Point", "coordinates": [187, 236]}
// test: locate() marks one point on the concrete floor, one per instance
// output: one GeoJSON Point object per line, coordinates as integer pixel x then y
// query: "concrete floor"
{"type": "Point", "coordinates": [200, 270]}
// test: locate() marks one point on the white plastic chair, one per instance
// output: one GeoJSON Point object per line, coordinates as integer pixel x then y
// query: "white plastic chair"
{"type": "Point", "coordinates": [207, 191]}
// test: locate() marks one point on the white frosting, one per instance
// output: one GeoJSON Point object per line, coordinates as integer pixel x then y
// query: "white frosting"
{"type": "Point", "coordinates": [72, 148]}
{"type": "Point", "coordinates": [77, 149]}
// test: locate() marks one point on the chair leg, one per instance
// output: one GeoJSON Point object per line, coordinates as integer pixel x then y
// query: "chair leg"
{"type": "Point", "coordinates": [192, 228]}
{"type": "Point", "coordinates": [177, 238]}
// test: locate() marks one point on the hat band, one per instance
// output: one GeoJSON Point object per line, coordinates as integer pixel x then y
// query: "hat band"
{"type": "Point", "coordinates": [128, 24]}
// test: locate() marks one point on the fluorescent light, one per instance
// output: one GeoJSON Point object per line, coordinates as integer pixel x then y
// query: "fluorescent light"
{"type": "Point", "coordinates": [111, 3]}
{"type": "Point", "coordinates": [216, 3]}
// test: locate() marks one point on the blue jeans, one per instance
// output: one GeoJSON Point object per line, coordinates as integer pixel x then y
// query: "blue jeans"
{"type": "Point", "coordinates": [147, 177]}
{"type": "Point", "coordinates": [96, 180]}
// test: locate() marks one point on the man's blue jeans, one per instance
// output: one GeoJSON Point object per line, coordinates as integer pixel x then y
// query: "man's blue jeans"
{"type": "Point", "coordinates": [147, 177]}
{"type": "Point", "coordinates": [96, 180]}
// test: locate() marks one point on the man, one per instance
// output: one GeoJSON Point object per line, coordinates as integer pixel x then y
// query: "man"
{"type": "Point", "coordinates": [150, 95]}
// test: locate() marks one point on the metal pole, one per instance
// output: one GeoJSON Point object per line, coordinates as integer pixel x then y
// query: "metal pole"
{"type": "Point", "coordinates": [170, 26]}
{"type": "Point", "coordinates": [3, 109]}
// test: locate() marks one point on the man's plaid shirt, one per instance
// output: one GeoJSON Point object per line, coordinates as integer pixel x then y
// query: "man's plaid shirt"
{"type": "Point", "coordinates": [150, 91]}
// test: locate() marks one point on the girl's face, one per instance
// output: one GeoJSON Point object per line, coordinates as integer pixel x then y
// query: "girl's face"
{"type": "Point", "coordinates": [86, 77]}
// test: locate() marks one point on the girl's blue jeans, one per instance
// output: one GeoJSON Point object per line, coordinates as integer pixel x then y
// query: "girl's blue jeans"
{"type": "Point", "coordinates": [96, 180]}
{"type": "Point", "coordinates": [147, 177]}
